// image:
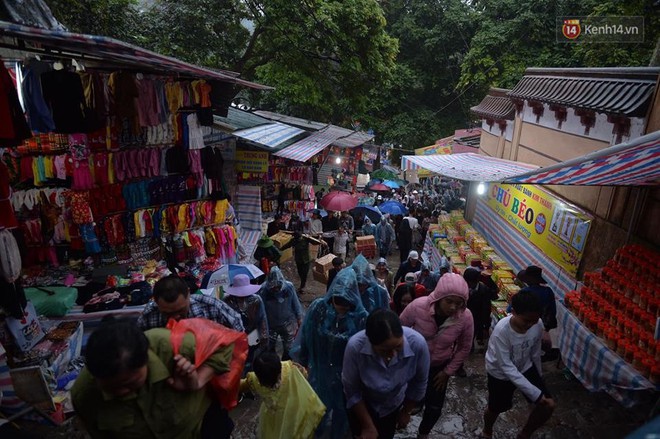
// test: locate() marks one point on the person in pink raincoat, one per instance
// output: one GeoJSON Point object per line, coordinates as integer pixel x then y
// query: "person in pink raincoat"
{"type": "Point", "coordinates": [447, 325]}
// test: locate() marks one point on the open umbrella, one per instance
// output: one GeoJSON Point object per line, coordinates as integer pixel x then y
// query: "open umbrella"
{"type": "Point", "coordinates": [371, 212]}
{"type": "Point", "coordinates": [393, 208]}
{"type": "Point", "coordinates": [383, 174]}
{"type": "Point", "coordinates": [338, 201]}
{"type": "Point", "coordinates": [224, 275]}
{"type": "Point", "coordinates": [391, 184]}
{"type": "Point", "coordinates": [380, 187]}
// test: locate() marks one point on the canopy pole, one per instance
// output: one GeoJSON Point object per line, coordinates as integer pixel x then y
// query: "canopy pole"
{"type": "Point", "coordinates": [635, 214]}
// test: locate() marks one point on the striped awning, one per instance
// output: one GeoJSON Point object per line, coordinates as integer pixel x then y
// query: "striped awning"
{"type": "Point", "coordinates": [308, 147]}
{"type": "Point", "coordinates": [468, 167]}
{"type": "Point", "coordinates": [634, 163]}
{"type": "Point", "coordinates": [270, 135]}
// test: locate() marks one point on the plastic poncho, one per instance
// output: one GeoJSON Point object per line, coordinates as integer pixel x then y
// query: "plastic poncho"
{"type": "Point", "coordinates": [384, 234]}
{"type": "Point", "coordinates": [368, 228]}
{"type": "Point", "coordinates": [374, 296]}
{"type": "Point", "coordinates": [280, 299]}
{"type": "Point", "coordinates": [321, 343]}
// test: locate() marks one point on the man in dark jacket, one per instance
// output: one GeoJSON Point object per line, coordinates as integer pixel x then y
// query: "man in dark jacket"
{"type": "Point", "coordinates": [411, 265]}
{"type": "Point", "coordinates": [479, 301]}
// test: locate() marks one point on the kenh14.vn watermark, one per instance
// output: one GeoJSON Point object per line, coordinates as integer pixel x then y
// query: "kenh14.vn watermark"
{"type": "Point", "coordinates": [623, 29]}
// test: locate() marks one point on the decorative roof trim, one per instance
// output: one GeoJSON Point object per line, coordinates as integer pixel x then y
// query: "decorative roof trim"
{"type": "Point", "coordinates": [496, 105]}
{"type": "Point", "coordinates": [611, 91]}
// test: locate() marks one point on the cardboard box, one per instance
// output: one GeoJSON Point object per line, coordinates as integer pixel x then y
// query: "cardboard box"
{"type": "Point", "coordinates": [313, 251]}
{"type": "Point", "coordinates": [281, 239]}
{"type": "Point", "coordinates": [320, 277]}
{"type": "Point", "coordinates": [286, 254]}
{"type": "Point", "coordinates": [324, 264]}
{"type": "Point", "coordinates": [365, 240]}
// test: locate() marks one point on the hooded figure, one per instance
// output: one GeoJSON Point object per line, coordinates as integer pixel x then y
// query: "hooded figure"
{"type": "Point", "coordinates": [384, 236]}
{"type": "Point", "coordinates": [368, 228]}
{"type": "Point", "coordinates": [283, 310]}
{"type": "Point", "coordinates": [373, 295]}
{"type": "Point", "coordinates": [329, 323]}
{"type": "Point", "coordinates": [447, 325]}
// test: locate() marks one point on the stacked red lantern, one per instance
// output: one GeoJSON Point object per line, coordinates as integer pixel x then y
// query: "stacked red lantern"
{"type": "Point", "coordinates": [620, 305]}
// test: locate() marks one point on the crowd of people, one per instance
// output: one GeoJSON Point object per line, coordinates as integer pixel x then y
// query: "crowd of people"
{"type": "Point", "coordinates": [378, 346]}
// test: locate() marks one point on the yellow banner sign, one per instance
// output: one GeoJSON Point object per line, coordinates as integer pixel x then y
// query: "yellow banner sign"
{"type": "Point", "coordinates": [439, 148]}
{"type": "Point", "coordinates": [251, 161]}
{"type": "Point", "coordinates": [560, 230]}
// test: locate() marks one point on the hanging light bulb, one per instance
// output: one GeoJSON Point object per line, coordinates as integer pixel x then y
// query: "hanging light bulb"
{"type": "Point", "coordinates": [481, 189]}
{"type": "Point", "coordinates": [338, 160]}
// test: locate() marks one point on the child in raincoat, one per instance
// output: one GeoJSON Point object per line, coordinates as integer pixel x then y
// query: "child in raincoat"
{"type": "Point", "coordinates": [290, 409]}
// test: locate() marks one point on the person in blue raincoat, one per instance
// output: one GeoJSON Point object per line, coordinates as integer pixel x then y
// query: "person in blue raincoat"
{"type": "Point", "coordinates": [368, 228]}
{"type": "Point", "coordinates": [283, 310]}
{"type": "Point", "coordinates": [384, 236]}
{"type": "Point", "coordinates": [329, 323]}
{"type": "Point", "coordinates": [373, 295]}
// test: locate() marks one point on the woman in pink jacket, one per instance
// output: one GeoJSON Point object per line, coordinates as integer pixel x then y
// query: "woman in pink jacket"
{"type": "Point", "coordinates": [447, 325]}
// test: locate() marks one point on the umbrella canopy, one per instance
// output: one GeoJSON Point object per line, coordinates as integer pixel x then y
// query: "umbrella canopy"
{"type": "Point", "coordinates": [320, 212]}
{"type": "Point", "coordinates": [380, 187]}
{"type": "Point", "coordinates": [371, 212]}
{"type": "Point", "coordinates": [224, 275]}
{"type": "Point", "coordinates": [393, 208]}
{"type": "Point", "coordinates": [391, 184]}
{"type": "Point", "coordinates": [338, 201]}
{"type": "Point", "coordinates": [382, 173]}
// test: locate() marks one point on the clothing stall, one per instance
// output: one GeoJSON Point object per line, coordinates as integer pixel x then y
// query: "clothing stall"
{"type": "Point", "coordinates": [106, 182]}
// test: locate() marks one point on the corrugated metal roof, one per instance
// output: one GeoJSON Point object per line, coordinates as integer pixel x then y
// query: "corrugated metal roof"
{"type": "Point", "coordinates": [469, 167]}
{"type": "Point", "coordinates": [107, 52]}
{"type": "Point", "coordinates": [614, 91]}
{"type": "Point", "coordinates": [308, 147]}
{"type": "Point", "coordinates": [634, 163]}
{"type": "Point", "coordinates": [345, 138]}
{"type": "Point", "coordinates": [496, 105]}
{"type": "Point", "coordinates": [238, 119]}
{"type": "Point", "coordinates": [272, 135]}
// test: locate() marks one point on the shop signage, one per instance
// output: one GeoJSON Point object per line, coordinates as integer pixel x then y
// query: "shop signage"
{"type": "Point", "coordinates": [251, 161]}
{"type": "Point", "coordinates": [442, 147]}
{"type": "Point", "coordinates": [557, 228]}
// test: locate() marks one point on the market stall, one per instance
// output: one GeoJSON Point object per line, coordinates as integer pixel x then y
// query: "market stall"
{"type": "Point", "coordinates": [601, 362]}
{"type": "Point", "coordinates": [107, 179]}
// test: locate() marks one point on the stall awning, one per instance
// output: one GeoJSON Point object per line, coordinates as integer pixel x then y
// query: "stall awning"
{"type": "Point", "coordinates": [469, 167]}
{"type": "Point", "coordinates": [308, 147]}
{"type": "Point", "coordinates": [634, 163]}
{"type": "Point", "coordinates": [270, 135]}
{"type": "Point", "coordinates": [107, 52]}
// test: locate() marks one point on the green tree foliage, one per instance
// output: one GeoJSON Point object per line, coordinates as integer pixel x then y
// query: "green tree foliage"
{"type": "Point", "coordinates": [623, 54]}
{"type": "Point", "coordinates": [323, 56]}
{"type": "Point", "coordinates": [113, 18]}
{"type": "Point", "coordinates": [421, 103]}
{"type": "Point", "coordinates": [203, 32]}
{"type": "Point", "coordinates": [514, 35]}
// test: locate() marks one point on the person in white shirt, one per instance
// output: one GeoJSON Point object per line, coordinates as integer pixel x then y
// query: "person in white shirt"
{"type": "Point", "coordinates": [513, 361]}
